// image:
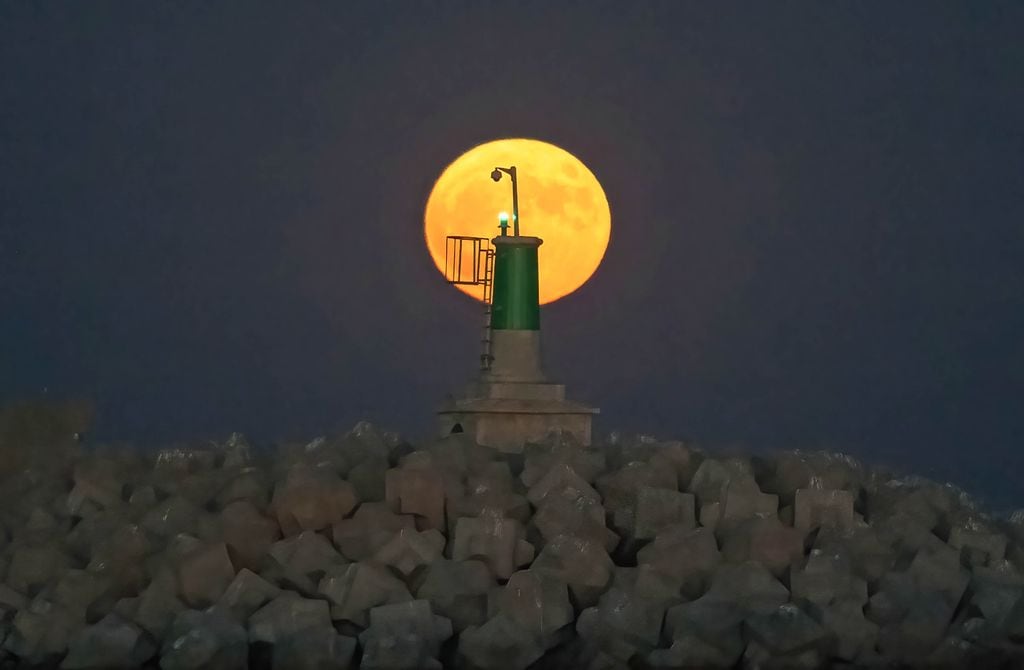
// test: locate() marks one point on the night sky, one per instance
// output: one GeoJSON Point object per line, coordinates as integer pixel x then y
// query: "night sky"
{"type": "Point", "coordinates": [211, 217]}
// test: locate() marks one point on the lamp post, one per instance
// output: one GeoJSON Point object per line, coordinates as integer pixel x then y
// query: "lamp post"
{"type": "Point", "coordinates": [511, 172]}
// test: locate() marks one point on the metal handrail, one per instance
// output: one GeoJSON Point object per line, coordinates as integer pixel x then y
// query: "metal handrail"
{"type": "Point", "coordinates": [482, 260]}
{"type": "Point", "coordinates": [453, 264]}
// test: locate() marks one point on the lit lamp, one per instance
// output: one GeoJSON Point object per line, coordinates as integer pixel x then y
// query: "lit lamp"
{"type": "Point", "coordinates": [511, 172]}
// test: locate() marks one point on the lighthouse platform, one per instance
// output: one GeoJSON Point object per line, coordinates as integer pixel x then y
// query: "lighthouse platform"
{"type": "Point", "coordinates": [506, 415]}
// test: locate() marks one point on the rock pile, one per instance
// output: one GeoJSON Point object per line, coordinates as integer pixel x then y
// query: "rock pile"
{"type": "Point", "coordinates": [364, 551]}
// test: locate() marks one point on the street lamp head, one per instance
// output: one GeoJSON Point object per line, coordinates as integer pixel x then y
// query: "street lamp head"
{"type": "Point", "coordinates": [496, 175]}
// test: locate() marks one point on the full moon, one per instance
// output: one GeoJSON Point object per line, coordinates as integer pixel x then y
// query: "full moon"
{"type": "Point", "coordinates": [560, 201]}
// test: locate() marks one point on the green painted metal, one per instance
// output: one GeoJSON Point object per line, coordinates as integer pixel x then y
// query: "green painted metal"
{"type": "Point", "coordinates": [516, 298]}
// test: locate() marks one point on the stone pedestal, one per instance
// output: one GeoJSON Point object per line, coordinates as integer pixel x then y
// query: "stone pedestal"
{"type": "Point", "coordinates": [506, 415]}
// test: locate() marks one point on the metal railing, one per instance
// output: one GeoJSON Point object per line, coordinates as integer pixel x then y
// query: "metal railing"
{"type": "Point", "coordinates": [470, 261]}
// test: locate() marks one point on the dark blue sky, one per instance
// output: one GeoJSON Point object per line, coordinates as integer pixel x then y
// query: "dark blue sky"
{"type": "Point", "coordinates": [210, 216]}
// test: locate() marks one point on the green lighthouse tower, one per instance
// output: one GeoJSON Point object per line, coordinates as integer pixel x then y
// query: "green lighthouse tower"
{"type": "Point", "coordinates": [516, 290]}
{"type": "Point", "coordinates": [511, 402]}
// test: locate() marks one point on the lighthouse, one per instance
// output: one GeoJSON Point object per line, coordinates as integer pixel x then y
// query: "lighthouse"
{"type": "Point", "coordinates": [511, 402]}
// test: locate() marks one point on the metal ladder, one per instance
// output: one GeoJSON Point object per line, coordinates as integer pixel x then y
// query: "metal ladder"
{"type": "Point", "coordinates": [480, 272]}
{"type": "Point", "coordinates": [488, 283]}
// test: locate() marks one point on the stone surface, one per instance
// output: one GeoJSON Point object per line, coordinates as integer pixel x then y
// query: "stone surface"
{"type": "Point", "coordinates": [80, 591]}
{"type": "Point", "coordinates": [749, 584]}
{"type": "Point", "coordinates": [584, 517]}
{"type": "Point", "coordinates": [688, 556]}
{"type": "Point", "coordinates": [995, 590]}
{"type": "Point", "coordinates": [706, 632]}
{"type": "Point", "coordinates": [96, 482]}
{"type": "Point", "coordinates": [171, 516]}
{"type": "Point", "coordinates": [979, 547]}
{"type": "Point", "coordinates": [814, 508]}
{"type": "Point", "coordinates": [84, 539]}
{"type": "Point", "coordinates": [404, 635]}
{"type": "Point", "coordinates": [315, 649]}
{"type": "Point", "coordinates": [110, 643]}
{"type": "Point", "coordinates": [287, 615]}
{"type": "Point", "coordinates": [628, 618]}
{"type": "Point", "coordinates": [813, 470]}
{"type": "Point", "coordinates": [200, 488]}
{"type": "Point", "coordinates": [785, 630]}
{"type": "Point", "coordinates": [235, 452]}
{"type": "Point", "coordinates": [40, 633]}
{"type": "Point", "coordinates": [155, 609]}
{"type": "Point", "coordinates": [11, 600]}
{"type": "Point", "coordinates": [287, 577]}
{"type": "Point", "coordinates": [32, 567]}
{"type": "Point", "coordinates": [868, 555]}
{"type": "Point", "coordinates": [172, 463]}
{"type": "Point", "coordinates": [248, 534]}
{"type": "Point", "coordinates": [854, 637]}
{"type": "Point", "coordinates": [691, 651]}
{"type": "Point", "coordinates": [758, 655]}
{"type": "Point", "coordinates": [247, 593]}
{"type": "Point", "coordinates": [419, 492]}
{"type": "Point", "coordinates": [204, 574]}
{"type": "Point", "coordinates": [142, 496]}
{"type": "Point", "coordinates": [825, 578]}
{"type": "Point", "coordinates": [311, 499]}
{"type": "Point", "coordinates": [713, 475]}
{"type": "Point", "coordinates": [620, 489]}
{"type": "Point", "coordinates": [584, 566]}
{"type": "Point", "coordinates": [491, 487]}
{"type": "Point", "coordinates": [499, 644]}
{"type": "Point", "coordinates": [766, 541]}
{"type": "Point", "coordinates": [356, 588]}
{"type": "Point", "coordinates": [539, 460]}
{"type": "Point", "coordinates": [369, 529]}
{"type": "Point", "coordinates": [660, 508]}
{"type": "Point", "coordinates": [740, 500]}
{"type": "Point", "coordinates": [919, 630]}
{"type": "Point", "coordinates": [938, 570]}
{"type": "Point", "coordinates": [120, 554]}
{"type": "Point", "coordinates": [678, 457]}
{"type": "Point", "coordinates": [410, 550]}
{"type": "Point", "coordinates": [457, 590]}
{"type": "Point", "coordinates": [250, 484]}
{"type": "Point", "coordinates": [561, 480]}
{"type": "Point", "coordinates": [204, 640]}
{"type": "Point", "coordinates": [1014, 622]}
{"type": "Point", "coordinates": [368, 478]}
{"type": "Point", "coordinates": [309, 554]}
{"type": "Point", "coordinates": [497, 542]}
{"type": "Point", "coordinates": [536, 602]}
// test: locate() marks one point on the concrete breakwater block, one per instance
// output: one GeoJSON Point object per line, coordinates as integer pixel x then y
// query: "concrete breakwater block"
{"type": "Point", "coordinates": [365, 551]}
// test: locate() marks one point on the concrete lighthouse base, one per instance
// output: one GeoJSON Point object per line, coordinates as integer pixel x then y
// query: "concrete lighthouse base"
{"type": "Point", "coordinates": [507, 415]}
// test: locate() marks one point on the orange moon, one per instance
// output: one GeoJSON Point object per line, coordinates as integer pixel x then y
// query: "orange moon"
{"type": "Point", "coordinates": [560, 201]}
